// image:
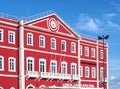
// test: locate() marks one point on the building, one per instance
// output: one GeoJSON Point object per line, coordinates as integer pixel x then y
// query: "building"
{"type": "Point", "coordinates": [42, 51]}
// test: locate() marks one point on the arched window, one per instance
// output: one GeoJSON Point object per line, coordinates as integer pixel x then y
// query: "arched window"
{"type": "Point", "coordinates": [12, 88]}
{"type": "Point", "coordinates": [1, 87]}
{"type": "Point", "coordinates": [30, 87]}
{"type": "Point", "coordinates": [42, 65]}
{"type": "Point", "coordinates": [30, 64]}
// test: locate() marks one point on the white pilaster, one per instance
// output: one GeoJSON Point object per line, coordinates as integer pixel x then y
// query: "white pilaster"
{"type": "Point", "coordinates": [21, 56]}
{"type": "Point", "coordinates": [97, 64]}
{"type": "Point", "coordinates": [79, 83]}
{"type": "Point", "coordinates": [107, 68]}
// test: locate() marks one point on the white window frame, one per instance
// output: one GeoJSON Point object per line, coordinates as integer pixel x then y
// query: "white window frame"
{"type": "Point", "coordinates": [12, 88]}
{"type": "Point", "coordinates": [102, 73]}
{"type": "Point", "coordinates": [63, 41]}
{"type": "Point", "coordinates": [31, 44]}
{"type": "Point", "coordinates": [86, 51]}
{"type": "Point", "coordinates": [2, 63]}
{"type": "Point", "coordinates": [87, 70]}
{"type": "Point", "coordinates": [81, 71]}
{"type": "Point", "coordinates": [101, 54]}
{"type": "Point", "coordinates": [73, 47]}
{"type": "Point", "coordinates": [42, 46]}
{"type": "Point", "coordinates": [54, 43]}
{"type": "Point", "coordinates": [9, 35]}
{"type": "Point", "coordinates": [31, 58]}
{"type": "Point", "coordinates": [65, 63]}
{"type": "Point", "coordinates": [93, 52]}
{"type": "Point", "coordinates": [93, 72]}
{"type": "Point", "coordinates": [53, 61]}
{"type": "Point", "coordinates": [1, 87]}
{"type": "Point", "coordinates": [2, 35]}
{"type": "Point", "coordinates": [44, 60]}
{"type": "Point", "coordinates": [73, 64]}
{"type": "Point", "coordinates": [10, 63]}
{"type": "Point", "coordinates": [80, 50]}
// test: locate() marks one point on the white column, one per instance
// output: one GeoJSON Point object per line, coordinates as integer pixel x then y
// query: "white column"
{"type": "Point", "coordinates": [107, 68]}
{"type": "Point", "coordinates": [97, 64]}
{"type": "Point", "coordinates": [21, 56]}
{"type": "Point", "coordinates": [79, 83]}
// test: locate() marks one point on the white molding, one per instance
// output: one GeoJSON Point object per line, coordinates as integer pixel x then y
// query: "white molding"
{"type": "Point", "coordinates": [8, 75]}
{"type": "Point", "coordinates": [30, 85]}
{"type": "Point", "coordinates": [43, 41]}
{"type": "Point", "coordinates": [8, 23]}
{"type": "Point", "coordinates": [46, 52]}
{"type": "Point", "coordinates": [13, 48]}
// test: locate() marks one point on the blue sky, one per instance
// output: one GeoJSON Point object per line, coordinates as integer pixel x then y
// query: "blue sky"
{"type": "Point", "coordinates": [91, 17]}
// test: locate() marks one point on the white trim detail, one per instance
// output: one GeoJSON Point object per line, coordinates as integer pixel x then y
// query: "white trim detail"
{"type": "Point", "coordinates": [54, 66]}
{"type": "Point", "coordinates": [1, 87]}
{"type": "Point", "coordinates": [63, 65]}
{"type": "Point", "coordinates": [2, 35]}
{"type": "Point", "coordinates": [29, 39]}
{"type": "Point", "coordinates": [11, 37]}
{"type": "Point", "coordinates": [87, 72]}
{"type": "Point", "coordinates": [31, 61]}
{"type": "Point", "coordinates": [73, 65]}
{"type": "Point", "coordinates": [63, 45]}
{"type": "Point", "coordinates": [42, 40]}
{"type": "Point", "coordinates": [2, 61]}
{"type": "Point", "coordinates": [8, 75]}
{"type": "Point", "coordinates": [53, 43]}
{"type": "Point", "coordinates": [30, 85]}
{"type": "Point", "coordinates": [73, 47]}
{"type": "Point", "coordinates": [43, 60]}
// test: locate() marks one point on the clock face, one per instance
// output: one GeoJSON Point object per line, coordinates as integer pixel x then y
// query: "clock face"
{"type": "Point", "coordinates": [53, 25]}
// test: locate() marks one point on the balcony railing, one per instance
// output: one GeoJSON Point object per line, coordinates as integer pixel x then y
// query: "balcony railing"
{"type": "Point", "coordinates": [49, 75]}
{"type": "Point", "coordinates": [32, 74]}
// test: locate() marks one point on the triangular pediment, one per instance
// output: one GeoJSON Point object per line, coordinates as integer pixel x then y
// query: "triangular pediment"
{"type": "Point", "coordinates": [54, 24]}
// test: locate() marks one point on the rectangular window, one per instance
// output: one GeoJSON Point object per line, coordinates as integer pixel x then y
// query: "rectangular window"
{"type": "Point", "coordinates": [86, 51]}
{"type": "Point", "coordinates": [53, 43]}
{"type": "Point", "coordinates": [53, 66]}
{"type": "Point", "coordinates": [1, 35]}
{"type": "Point", "coordinates": [63, 45]}
{"type": "Point", "coordinates": [80, 50]}
{"type": "Point", "coordinates": [73, 47]}
{"type": "Point", "coordinates": [64, 68]}
{"type": "Point", "coordinates": [11, 36]}
{"type": "Point", "coordinates": [1, 63]}
{"type": "Point", "coordinates": [12, 64]}
{"type": "Point", "coordinates": [73, 69]}
{"type": "Point", "coordinates": [30, 64]}
{"type": "Point", "coordinates": [101, 73]}
{"type": "Point", "coordinates": [29, 39]}
{"type": "Point", "coordinates": [87, 72]}
{"type": "Point", "coordinates": [81, 73]}
{"type": "Point", "coordinates": [93, 73]}
{"type": "Point", "coordinates": [42, 41]}
{"type": "Point", "coordinates": [101, 54]}
{"type": "Point", "coordinates": [93, 52]}
{"type": "Point", "coordinates": [42, 65]}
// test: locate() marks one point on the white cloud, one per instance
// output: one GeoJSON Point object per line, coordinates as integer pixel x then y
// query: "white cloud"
{"type": "Point", "coordinates": [105, 22]}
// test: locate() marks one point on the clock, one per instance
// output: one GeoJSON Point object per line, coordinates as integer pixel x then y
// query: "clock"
{"type": "Point", "coordinates": [53, 24]}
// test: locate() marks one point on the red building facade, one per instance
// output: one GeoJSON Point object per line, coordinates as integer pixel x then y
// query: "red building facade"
{"type": "Point", "coordinates": [46, 52]}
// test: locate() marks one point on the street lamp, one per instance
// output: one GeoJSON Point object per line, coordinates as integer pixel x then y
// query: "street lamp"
{"type": "Point", "coordinates": [103, 38]}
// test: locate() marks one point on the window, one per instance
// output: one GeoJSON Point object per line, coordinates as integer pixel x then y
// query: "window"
{"type": "Point", "coordinates": [86, 71]}
{"type": "Point", "coordinates": [12, 64]}
{"type": "Point", "coordinates": [73, 69]}
{"type": "Point", "coordinates": [30, 64]}
{"type": "Point", "coordinates": [1, 35]}
{"type": "Point", "coordinates": [63, 67]}
{"type": "Point", "coordinates": [42, 65]}
{"type": "Point", "coordinates": [73, 47]}
{"type": "Point", "coordinates": [80, 50]}
{"type": "Point", "coordinates": [86, 51]}
{"type": "Point", "coordinates": [1, 87]}
{"type": "Point", "coordinates": [102, 73]}
{"type": "Point", "coordinates": [63, 45]}
{"type": "Point", "coordinates": [53, 66]}
{"type": "Point", "coordinates": [11, 37]}
{"type": "Point", "coordinates": [101, 54]}
{"type": "Point", "coordinates": [53, 43]}
{"type": "Point", "coordinates": [1, 63]}
{"type": "Point", "coordinates": [42, 41]}
{"type": "Point", "coordinates": [29, 38]}
{"type": "Point", "coordinates": [81, 73]}
{"type": "Point", "coordinates": [93, 52]}
{"type": "Point", "coordinates": [93, 73]}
